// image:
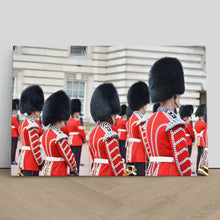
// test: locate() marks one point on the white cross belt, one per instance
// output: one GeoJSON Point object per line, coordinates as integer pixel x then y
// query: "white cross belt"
{"type": "Point", "coordinates": [54, 159]}
{"type": "Point", "coordinates": [134, 140]}
{"type": "Point", "coordinates": [101, 161]}
{"type": "Point", "coordinates": [25, 148]}
{"type": "Point", "coordinates": [161, 159]}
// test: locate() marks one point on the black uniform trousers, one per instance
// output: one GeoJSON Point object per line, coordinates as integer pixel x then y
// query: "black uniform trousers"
{"type": "Point", "coordinates": [190, 150]}
{"type": "Point", "coordinates": [200, 152]}
{"type": "Point", "coordinates": [14, 143]}
{"type": "Point", "coordinates": [30, 173]}
{"type": "Point", "coordinates": [77, 152]}
{"type": "Point", "coordinates": [122, 148]}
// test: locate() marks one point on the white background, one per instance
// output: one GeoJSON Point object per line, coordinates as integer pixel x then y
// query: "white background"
{"type": "Point", "coordinates": [56, 23]}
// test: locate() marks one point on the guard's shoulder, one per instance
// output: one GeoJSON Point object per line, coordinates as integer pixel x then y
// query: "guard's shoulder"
{"type": "Point", "coordinates": [60, 135]}
{"type": "Point", "coordinates": [174, 120]}
{"type": "Point", "coordinates": [141, 118]}
{"type": "Point", "coordinates": [32, 124]}
{"type": "Point", "coordinates": [109, 133]}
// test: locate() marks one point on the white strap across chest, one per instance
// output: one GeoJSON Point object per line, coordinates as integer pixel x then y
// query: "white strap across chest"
{"type": "Point", "coordinates": [161, 159]}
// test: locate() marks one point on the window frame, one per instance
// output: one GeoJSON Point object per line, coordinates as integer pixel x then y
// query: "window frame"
{"type": "Point", "coordinates": [75, 56]}
{"type": "Point", "coordinates": [84, 98]}
{"type": "Point", "coordinates": [13, 87]}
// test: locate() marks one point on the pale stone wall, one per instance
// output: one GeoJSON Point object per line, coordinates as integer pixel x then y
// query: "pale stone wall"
{"type": "Point", "coordinates": [122, 65]}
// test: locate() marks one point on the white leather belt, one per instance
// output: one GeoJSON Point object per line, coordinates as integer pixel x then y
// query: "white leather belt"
{"type": "Point", "coordinates": [161, 159]}
{"type": "Point", "coordinates": [73, 133]}
{"type": "Point", "coordinates": [122, 130]}
{"type": "Point", "coordinates": [100, 160]}
{"type": "Point", "coordinates": [12, 126]}
{"type": "Point", "coordinates": [25, 148]}
{"type": "Point", "coordinates": [134, 140]}
{"type": "Point", "coordinates": [188, 135]}
{"type": "Point", "coordinates": [54, 159]}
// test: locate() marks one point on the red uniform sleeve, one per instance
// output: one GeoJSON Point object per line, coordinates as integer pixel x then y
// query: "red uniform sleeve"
{"type": "Point", "coordinates": [67, 154]}
{"type": "Point", "coordinates": [81, 130]}
{"type": "Point", "coordinates": [116, 162]}
{"type": "Point", "coordinates": [41, 131]}
{"type": "Point", "coordinates": [15, 123]}
{"type": "Point", "coordinates": [192, 133]}
{"type": "Point", "coordinates": [35, 145]}
{"type": "Point", "coordinates": [143, 134]}
{"type": "Point", "coordinates": [65, 130]}
{"type": "Point", "coordinates": [180, 150]}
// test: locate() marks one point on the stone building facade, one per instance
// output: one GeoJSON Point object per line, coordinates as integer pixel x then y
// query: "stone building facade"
{"type": "Point", "coordinates": [80, 69]}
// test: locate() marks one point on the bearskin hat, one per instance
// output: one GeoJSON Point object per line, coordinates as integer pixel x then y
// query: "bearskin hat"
{"type": "Point", "coordinates": [75, 106]}
{"type": "Point", "coordinates": [155, 107]}
{"type": "Point", "coordinates": [200, 110]}
{"type": "Point", "coordinates": [129, 112]}
{"type": "Point", "coordinates": [15, 104]}
{"type": "Point", "coordinates": [186, 110]}
{"type": "Point", "coordinates": [123, 110]}
{"type": "Point", "coordinates": [138, 95]}
{"type": "Point", "coordinates": [32, 99]}
{"type": "Point", "coordinates": [205, 114]}
{"type": "Point", "coordinates": [166, 79]}
{"type": "Point", "coordinates": [104, 102]}
{"type": "Point", "coordinates": [56, 108]}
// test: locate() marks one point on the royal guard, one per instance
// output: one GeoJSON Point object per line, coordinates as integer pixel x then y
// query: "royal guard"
{"type": "Point", "coordinates": [77, 135]}
{"type": "Point", "coordinates": [121, 125]}
{"type": "Point", "coordinates": [203, 165]}
{"type": "Point", "coordinates": [185, 113]}
{"type": "Point", "coordinates": [166, 136]}
{"type": "Point", "coordinates": [31, 158]}
{"type": "Point", "coordinates": [14, 130]}
{"type": "Point", "coordinates": [136, 152]}
{"type": "Point", "coordinates": [103, 141]}
{"type": "Point", "coordinates": [200, 125]}
{"type": "Point", "coordinates": [60, 160]}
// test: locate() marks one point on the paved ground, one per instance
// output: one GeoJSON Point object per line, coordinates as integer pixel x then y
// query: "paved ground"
{"type": "Point", "coordinates": [86, 160]}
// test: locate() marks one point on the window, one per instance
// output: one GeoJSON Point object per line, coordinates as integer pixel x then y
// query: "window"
{"type": "Point", "coordinates": [14, 49]}
{"type": "Point", "coordinates": [77, 90]}
{"type": "Point", "coordinates": [77, 51]}
{"type": "Point", "coordinates": [13, 87]}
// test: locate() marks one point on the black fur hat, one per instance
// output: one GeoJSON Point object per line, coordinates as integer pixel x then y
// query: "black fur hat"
{"type": "Point", "coordinates": [186, 110]}
{"type": "Point", "coordinates": [123, 110]}
{"type": "Point", "coordinates": [56, 108]}
{"type": "Point", "coordinates": [205, 114]}
{"type": "Point", "coordinates": [75, 106]}
{"type": "Point", "coordinates": [138, 95]}
{"type": "Point", "coordinates": [200, 110]}
{"type": "Point", "coordinates": [104, 102]}
{"type": "Point", "coordinates": [15, 104]}
{"type": "Point", "coordinates": [32, 99]}
{"type": "Point", "coordinates": [166, 79]}
{"type": "Point", "coordinates": [155, 107]}
{"type": "Point", "coordinates": [129, 112]}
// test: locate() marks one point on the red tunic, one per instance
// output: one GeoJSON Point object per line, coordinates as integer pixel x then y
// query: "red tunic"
{"type": "Point", "coordinates": [60, 160]}
{"type": "Point", "coordinates": [77, 134]}
{"type": "Point", "coordinates": [65, 130]}
{"type": "Point", "coordinates": [31, 154]}
{"type": "Point", "coordinates": [190, 135]}
{"type": "Point", "coordinates": [200, 125]}
{"type": "Point", "coordinates": [14, 126]}
{"type": "Point", "coordinates": [104, 150]}
{"type": "Point", "coordinates": [137, 138]}
{"type": "Point", "coordinates": [204, 136]}
{"type": "Point", "coordinates": [121, 125]}
{"type": "Point", "coordinates": [41, 131]}
{"type": "Point", "coordinates": [167, 140]}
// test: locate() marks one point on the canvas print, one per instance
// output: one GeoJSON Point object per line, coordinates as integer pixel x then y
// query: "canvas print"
{"type": "Point", "coordinates": [126, 110]}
